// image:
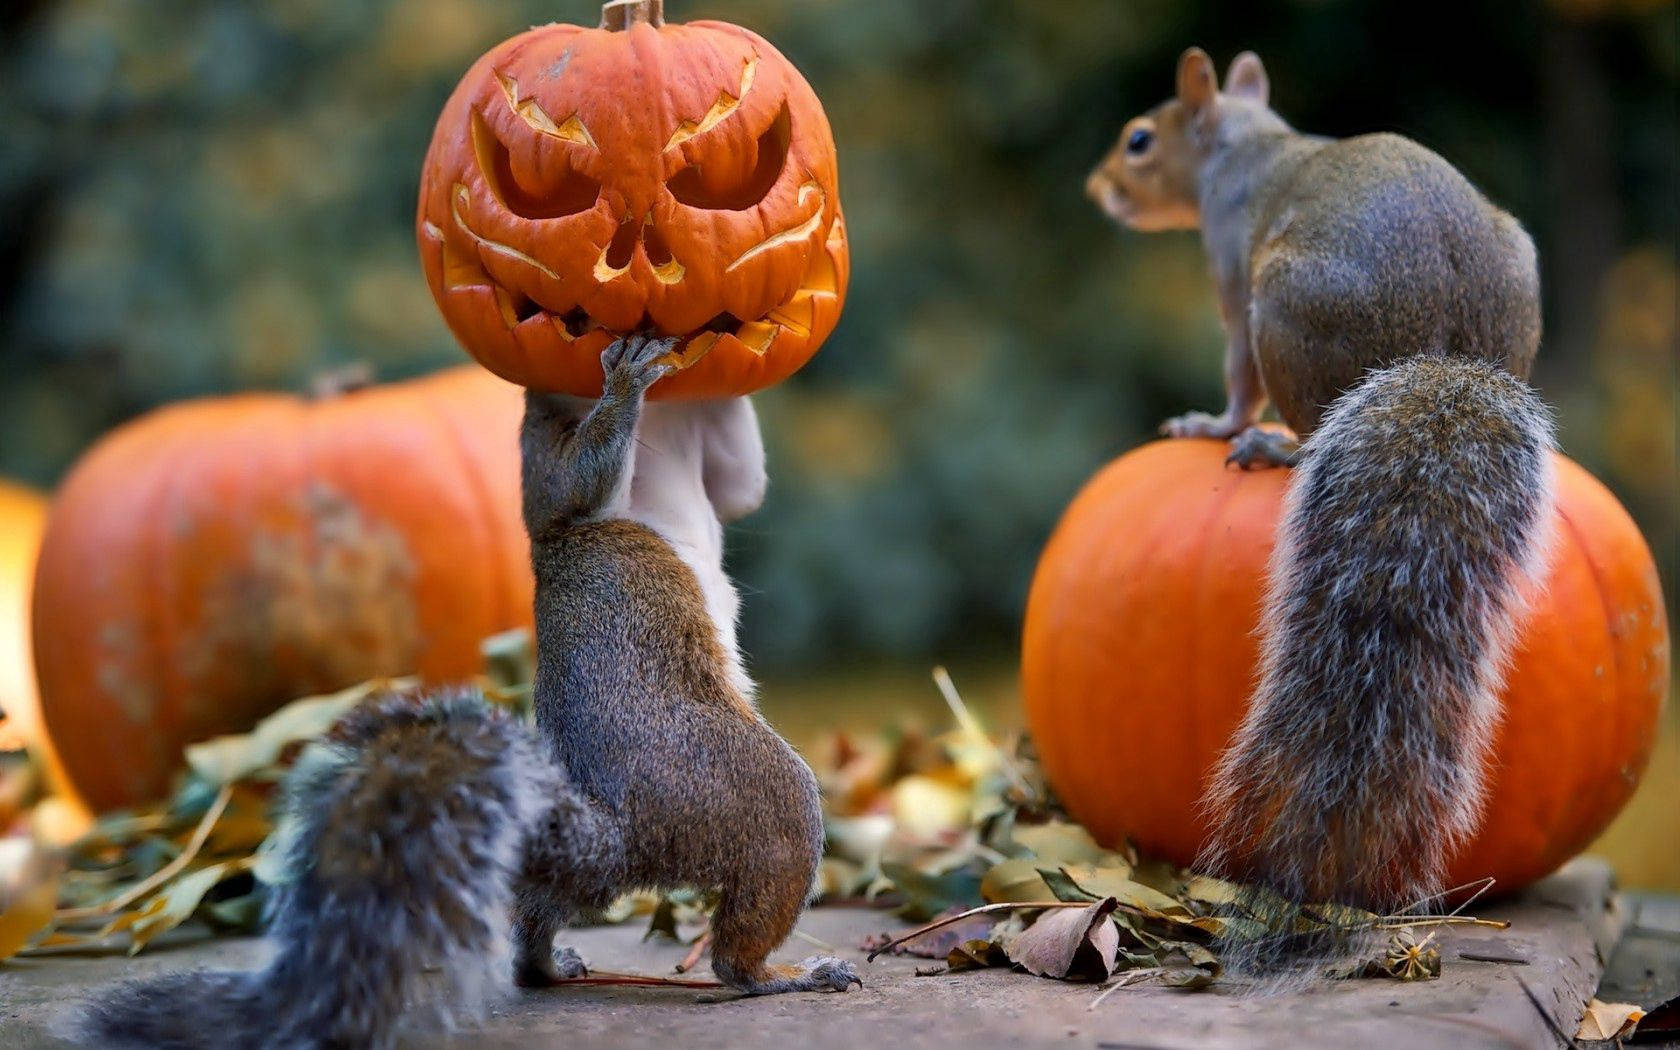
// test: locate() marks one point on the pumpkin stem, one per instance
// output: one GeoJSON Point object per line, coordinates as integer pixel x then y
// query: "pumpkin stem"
{"type": "Point", "coordinates": [619, 15]}
{"type": "Point", "coordinates": [336, 382]}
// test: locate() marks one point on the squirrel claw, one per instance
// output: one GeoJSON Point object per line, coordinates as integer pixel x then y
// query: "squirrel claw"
{"type": "Point", "coordinates": [1256, 447]}
{"type": "Point", "coordinates": [630, 359]}
{"type": "Point", "coordinates": [835, 974]}
{"type": "Point", "coordinates": [565, 965]}
{"type": "Point", "coordinates": [1199, 424]}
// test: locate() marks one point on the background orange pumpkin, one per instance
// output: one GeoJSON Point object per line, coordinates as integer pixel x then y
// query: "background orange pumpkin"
{"type": "Point", "coordinates": [214, 559]}
{"type": "Point", "coordinates": [1140, 649]}
{"type": "Point", "coordinates": [583, 183]}
{"type": "Point", "coordinates": [23, 514]}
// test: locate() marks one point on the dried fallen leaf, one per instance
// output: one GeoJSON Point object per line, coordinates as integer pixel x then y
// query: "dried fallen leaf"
{"type": "Point", "coordinates": [1015, 880]}
{"type": "Point", "coordinates": [926, 895]}
{"type": "Point", "coordinates": [1609, 1020]}
{"type": "Point", "coordinates": [1070, 944]}
{"type": "Point", "coordinates": [226, 759]}
{"type": "Point", "coordinates": [1060, 843]}
{"type": "Point", "coordinates": [177, 902]}
{"type": "Point", "coordinates": [25, 913]}
{"type": "Point", "coordinates": [937, 943]}
{"type": "Point", "coordinates": [976, 954]}
{"type": "Point", "coordinates": [1660, 1024]}
{"type": "Point", "coordinates": [1099, 882]}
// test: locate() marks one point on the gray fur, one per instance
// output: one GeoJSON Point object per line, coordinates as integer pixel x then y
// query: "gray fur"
{"type": "Point", "coordinates": [1392, 314]}
{"type": "Point", "coordinates": [403, 830]}
{"type": "Point", "coordinates": [418, 829]}
{"type": "Point", "coordinates": [1415, 525]}
{"type": "Point", "coordinates": [681, 781]}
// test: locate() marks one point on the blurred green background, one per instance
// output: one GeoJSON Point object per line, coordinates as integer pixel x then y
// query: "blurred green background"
{"type": "Point", "coordinates": [205, 196]}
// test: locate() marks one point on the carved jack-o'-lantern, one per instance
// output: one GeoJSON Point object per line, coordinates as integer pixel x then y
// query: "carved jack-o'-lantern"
{"type": "Point", "coordinates": [585, 183]}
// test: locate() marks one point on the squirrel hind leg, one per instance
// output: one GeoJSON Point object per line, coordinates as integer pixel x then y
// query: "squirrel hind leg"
{"type": "Point", "coordinates": [573, 859]}
{"type": "Point", "coordinates": [751, 922]}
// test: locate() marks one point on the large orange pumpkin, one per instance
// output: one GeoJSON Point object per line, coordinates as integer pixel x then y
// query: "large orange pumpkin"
{"type": "Point", "coordinates": [213, 559]}
{"type": "Point", "coordinates": [584, 183]}
{"type": "Point", "coordinates": [1140, 652]}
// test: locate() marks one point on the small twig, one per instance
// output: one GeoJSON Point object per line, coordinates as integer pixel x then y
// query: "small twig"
{"type": "Point", "coordinates": [637, 979]}
{"type": "Point", "coordinates": [695, 951]}
{"type": "Point", "coordinates": [1481, 886]}
{"type": "Point", "coordinates": [1444, 920]}
{"type": "Point", "coordinates": [982, 910]}
{"type": "Point", "coordinates": [1479, 957]}
{"type": "Point", "coordinates": [1130, 977]}
{"type": "Point", "coordinates": [971, 725]}
{"type": "Point", "coordinates": [200, 835]}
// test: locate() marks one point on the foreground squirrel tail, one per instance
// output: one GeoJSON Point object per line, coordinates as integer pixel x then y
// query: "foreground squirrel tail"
{"type": "Point", "coordinates": [1415, 522]}
{"type": "Point", "coordinates": [403, 834]}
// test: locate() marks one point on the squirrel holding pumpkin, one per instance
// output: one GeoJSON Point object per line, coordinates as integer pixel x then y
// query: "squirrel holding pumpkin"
{"type": "Point", "coordinates": [420, 823]}
{"type": "Point", "coordinates": [1392, 314]}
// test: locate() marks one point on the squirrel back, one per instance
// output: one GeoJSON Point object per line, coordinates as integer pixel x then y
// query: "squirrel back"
{"type": "Point", "coordinates": [1392, 314]}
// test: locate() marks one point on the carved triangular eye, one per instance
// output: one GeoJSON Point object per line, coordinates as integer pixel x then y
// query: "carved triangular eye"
{"type": "Point", "coordinates": [736, 184]}
{"type": "Point", "coordinates": [566, 192]}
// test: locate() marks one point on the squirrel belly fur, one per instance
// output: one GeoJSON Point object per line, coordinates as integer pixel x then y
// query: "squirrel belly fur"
{"type": "Point", "coordinates": [1391, 314]}
{"type": "Point", "coordinates": [433, 848]}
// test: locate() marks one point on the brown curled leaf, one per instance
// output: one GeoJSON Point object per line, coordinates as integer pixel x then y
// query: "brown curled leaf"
{"type": "Point", "coordinates": [1069, 944]}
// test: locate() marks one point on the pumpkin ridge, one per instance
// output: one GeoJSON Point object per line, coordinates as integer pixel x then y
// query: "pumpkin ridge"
{"type": "Point", "coordinates": [482, 501]}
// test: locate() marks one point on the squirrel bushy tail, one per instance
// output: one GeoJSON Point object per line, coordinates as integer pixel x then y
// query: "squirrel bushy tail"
{"type": "Point", "coordinates": [1417, 517]}
{"type": "Point", "coordinates": [403, 835]}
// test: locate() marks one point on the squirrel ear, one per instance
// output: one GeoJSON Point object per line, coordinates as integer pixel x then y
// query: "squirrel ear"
{"type": "Point", "coordinates": [1247, 78]}
{"type": "Point", "coordinates": [1196, 83]}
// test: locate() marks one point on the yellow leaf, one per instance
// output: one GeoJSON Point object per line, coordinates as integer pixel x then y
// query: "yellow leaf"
{"type": "Point", "coordinates": [177, 901]}
{"type": "Point", "coordinates": [26, 913]}
{"type": "Point", "coordinates": [1609, 1020]}
{"type": "Point", "coordinates": [1113, 882]}
{"type": "Point", "coordinates": [1059, 842]}
{"type": "Point", "coordinates": [226, 759]}
{"type": "Point", "coordinates": [1014, 881]}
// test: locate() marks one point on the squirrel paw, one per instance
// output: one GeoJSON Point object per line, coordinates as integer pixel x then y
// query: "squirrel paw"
{"type": "Point", "coordinates": [819, 973]}
{"type": "Point", "coordinates": [629, 361]}
{"type": "Point", "coordinates": [827, 971]}
{"type": "Point", "coordinates": [1201, 424]}
{"type": "Point", "coordinates": [564, 965]}
{"type": "Point", "coordinates": [1256, 447]}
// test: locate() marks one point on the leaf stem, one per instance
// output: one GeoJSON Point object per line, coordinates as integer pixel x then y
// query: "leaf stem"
{"type": "Point", "coordinates": [982, 910]}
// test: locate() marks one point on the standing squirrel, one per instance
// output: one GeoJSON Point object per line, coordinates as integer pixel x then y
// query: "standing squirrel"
{"type": "Point", "coordinates": [1391, 313]}
{"type": "Point", "coordinates": [420, 826]}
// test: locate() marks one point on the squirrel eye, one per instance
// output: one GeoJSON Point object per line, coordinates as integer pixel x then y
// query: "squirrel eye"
{"type": "Point", "coordinates": [1139, 140]}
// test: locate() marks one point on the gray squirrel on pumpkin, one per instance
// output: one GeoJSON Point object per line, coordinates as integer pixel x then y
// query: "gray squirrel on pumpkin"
{"type": "Point", "coordinates": [1392, 314]}
{"type": "Point", "coordinates": [423, 831]}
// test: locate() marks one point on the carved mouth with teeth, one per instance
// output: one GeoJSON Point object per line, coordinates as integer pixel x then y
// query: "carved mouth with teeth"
{"type": "Point", "coordinates": [802, 314]}
{"type": "Point", "coordinates": [531, 331]}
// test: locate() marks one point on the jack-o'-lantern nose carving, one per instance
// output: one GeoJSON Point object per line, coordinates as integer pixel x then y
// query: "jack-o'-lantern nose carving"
{"type": "Point", "coordinates": [631, 237]}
